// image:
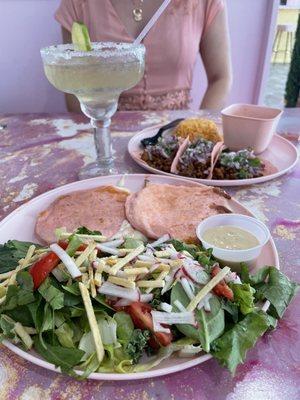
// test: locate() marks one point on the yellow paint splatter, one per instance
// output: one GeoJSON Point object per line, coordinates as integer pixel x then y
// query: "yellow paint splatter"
{"type": "Point", "coordinates": [284, 232]}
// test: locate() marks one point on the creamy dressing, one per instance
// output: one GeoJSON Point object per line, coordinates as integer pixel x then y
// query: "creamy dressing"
{"type": "Point", "coordinates": [230, 237]}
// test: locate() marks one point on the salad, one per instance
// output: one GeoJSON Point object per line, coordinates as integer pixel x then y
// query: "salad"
{"type": "Point", "coordinates": [124, 304]}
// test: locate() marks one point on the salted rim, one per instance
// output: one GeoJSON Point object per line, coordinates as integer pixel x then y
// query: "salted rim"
{"type": "Point", "coordinates": [99, 49]}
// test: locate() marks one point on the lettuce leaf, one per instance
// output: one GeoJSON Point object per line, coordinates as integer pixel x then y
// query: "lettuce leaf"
{"type": "Point", "coordinates": [231, 348]}
{"type": "Point", "coordinates": [244, 297]}
{"type": "Point", "coordinates": [271, 284]}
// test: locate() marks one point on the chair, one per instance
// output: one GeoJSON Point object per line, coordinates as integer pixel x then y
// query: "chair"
{"type": "Point", "coordinates": [289, 30]}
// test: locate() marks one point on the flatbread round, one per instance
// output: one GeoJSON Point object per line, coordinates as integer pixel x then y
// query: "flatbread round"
{"type": "Point", "coordinates": [176, 210]}
{"type": "Point", "coordinates": [99, 209]}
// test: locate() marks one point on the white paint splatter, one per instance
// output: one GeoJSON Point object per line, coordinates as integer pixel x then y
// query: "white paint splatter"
{"type": "Point", "coordinates": [65, 127]}
{"type": "Point", "coordinates": [268, 189]}
{"type": "Point", "coordinates": [40, 121]}
{"type": "Point", "coordinates": [3, 375]}
{"type": "Point", "coordinates": [264, 385]}
{"type": "Point", "coordinates": [257, 207]}
{"type": "Point", "coordinates": [34, 393]}
{"type": "Point", "coordinates": [22, 175]}
{"type": "Point", "coordinates": [26, 192]}
{"type": "Point", "coordinates": [68, 128]}
{"type": "Point", "coordinates": [84, 145]}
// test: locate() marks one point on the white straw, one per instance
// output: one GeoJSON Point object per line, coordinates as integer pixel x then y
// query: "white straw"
{"type": "Point", "coordinates": [152, 21]}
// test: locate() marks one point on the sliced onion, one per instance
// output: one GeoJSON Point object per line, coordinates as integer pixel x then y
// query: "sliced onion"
{"type": "Point", "coordinates": [186, 287]}
{"type": "Point", "coordinates": [179, 305]}
{"type": "Point", "coordinates": [189, 350]}
{"type": "Point", "coordinates": [146, 258]}
{"type": "Point", "coordinates": [205, 303]}
{"type": "Point", "coordinates": [145, 298]}
{"type": "Point", "coordinates": [233, 277]}
{"type": "Point", "coordinates": [168, 284]}
{"type": "Point", "coordinates": [170, 318]}
{"type": "Point", "coordinates": [195, 272]}
{"type": "Point", "coordinates": [123, 303]}
{"type": "Point", "coordinates": [113, 243]}
{"type": "Point", "coordinates": [66, 259]}
{"type": "Point", "coordinates": [110, 289]}
{"type": "Point", "coordinates": [160, 241]}
{"type": "Point", "coordinates": [157, 327]}
{"type": "Point", "coordinates": [165, 307]}
{"type": "Point", "coordinates": [108, 250]}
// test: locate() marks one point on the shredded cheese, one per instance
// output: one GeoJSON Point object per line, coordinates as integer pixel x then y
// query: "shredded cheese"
{"type": "Point", "coordinates": [121, 282]}
{"type": "Point", "coordinates": [135, 271]}
{"type": "Point", "coordinates": [142, 264]}
{"type": "Point", "coordinates": [92, 321]}
{"type": "Point", "coordinates": [85, 254]}
{"type": "Point", "coordinates": [121, 263]}
{"type": "Point", "coordinates": [207, 288]}
{"type": "Point", "coordinates": [151, 284]}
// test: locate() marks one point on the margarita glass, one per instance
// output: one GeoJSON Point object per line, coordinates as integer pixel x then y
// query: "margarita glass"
{"type": "Point", "coordinates": [96, 78]}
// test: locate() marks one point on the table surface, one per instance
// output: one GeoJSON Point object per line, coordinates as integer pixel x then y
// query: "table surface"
{"type": "Point", "coordinates": [41, 152]}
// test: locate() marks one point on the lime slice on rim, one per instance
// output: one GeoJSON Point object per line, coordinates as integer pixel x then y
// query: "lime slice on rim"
{"type": "Point", "coordinates": [80, 37]}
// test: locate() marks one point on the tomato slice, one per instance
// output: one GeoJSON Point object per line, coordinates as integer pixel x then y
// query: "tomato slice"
{"type": "Point", "coordinates": [141, 316]}
{"type": "Point", "coordinates": [42, 268]}
{"type": "Point", "coordinates": [221, 289]}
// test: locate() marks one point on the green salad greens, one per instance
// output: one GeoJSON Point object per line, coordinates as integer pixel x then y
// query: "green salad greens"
{"type": "Point", "coordinates": [92, 304]}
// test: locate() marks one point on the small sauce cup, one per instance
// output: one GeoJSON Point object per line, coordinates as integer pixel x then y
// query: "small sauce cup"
{"type": "Point", "coordinates": [229, 257]}
{"type": "Point", "coordinates": [248, 125]}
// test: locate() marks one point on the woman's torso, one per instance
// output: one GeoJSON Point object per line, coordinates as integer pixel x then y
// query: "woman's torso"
{"type": "Point", "coordinates": [171, 49]}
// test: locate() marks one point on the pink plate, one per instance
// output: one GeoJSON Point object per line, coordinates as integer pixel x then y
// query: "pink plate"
{"type": "Point", "coordinates": [20, 225]}
{"type": "Point", "coordinates": [281, 153]}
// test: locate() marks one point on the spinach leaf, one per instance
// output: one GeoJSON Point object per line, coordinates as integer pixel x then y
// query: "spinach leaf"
{"type": "Point", "coordinates": [36, 310]}
{"type": "Point", "coordinates": [244, 297]}
{"type": "Point", "coordinates": [51, 294]}
{"type": "Point", "coordinates": [85, 231]}
{"type": "Point", "coordinates": [16, 296]}
{"type": "Point", "coordinates": [11, 252]}
{"type": "Point", "coordinates": [231, 348]}
{"type": "Point", "coordinates": [125, 326]}
{"type": "Point", "coordinates": [231, 308]}
{"type": "Point", "coordinates": [65, 335]}
{"type": "Point", "coordinates": [7, 326]}
{"type": "Point", "coordinates": [211, 324]}
{"type": "Point", "coordinates": [21, 314]}
{"type": "Point", "coordinates": [25, 280]}
{"type": "Point", "coordinates": [73, 289]}
{"type": "Point", "coordinates": [180, 246]}
{"type": "Point", "coordinates": [60, 356]}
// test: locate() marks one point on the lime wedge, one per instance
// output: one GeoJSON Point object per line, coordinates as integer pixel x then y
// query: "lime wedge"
{"type": "Point", "coordinates": [81, 37]}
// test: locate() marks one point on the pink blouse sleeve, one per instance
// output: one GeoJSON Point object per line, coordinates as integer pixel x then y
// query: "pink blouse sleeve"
{"type": "Point", "coordinates": [67, 13]}
{"type": "Point", "coordinates": [213, 7]}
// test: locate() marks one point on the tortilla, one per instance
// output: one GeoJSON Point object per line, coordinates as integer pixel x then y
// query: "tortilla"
{"type": "Point", "coordinates": [175, 210]}
{"type": "Point", "coordinates": [100, 209]}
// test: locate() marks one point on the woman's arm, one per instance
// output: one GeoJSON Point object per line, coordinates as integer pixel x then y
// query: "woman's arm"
{"type": "Point", "coordinates": [71, 101]}
{"type": "Point", "coordinates": [215, 53]}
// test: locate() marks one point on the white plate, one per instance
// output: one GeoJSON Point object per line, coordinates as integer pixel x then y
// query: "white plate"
{"type": "Point", "coordinates": [281, 153]}
{"type": "Point", "coordinates": [20, 225]}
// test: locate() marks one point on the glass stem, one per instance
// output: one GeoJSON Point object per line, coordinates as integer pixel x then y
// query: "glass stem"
{"type": "Point", "coordinates": [102, 139]}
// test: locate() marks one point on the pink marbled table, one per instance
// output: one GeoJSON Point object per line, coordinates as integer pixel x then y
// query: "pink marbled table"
{"type": "Point", "coordinates": [41, 152]}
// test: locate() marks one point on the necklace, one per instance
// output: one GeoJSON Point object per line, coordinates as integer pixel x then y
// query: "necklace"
{"type": "Point", "coordinates": [137, 12]}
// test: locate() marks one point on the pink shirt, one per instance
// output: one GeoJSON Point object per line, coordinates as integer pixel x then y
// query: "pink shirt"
{"type": "Point", "coordinates": [171, 46]}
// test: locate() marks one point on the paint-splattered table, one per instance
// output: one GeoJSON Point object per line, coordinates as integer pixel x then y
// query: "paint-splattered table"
{"type": "Point", "coordinates": [41, 152]}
